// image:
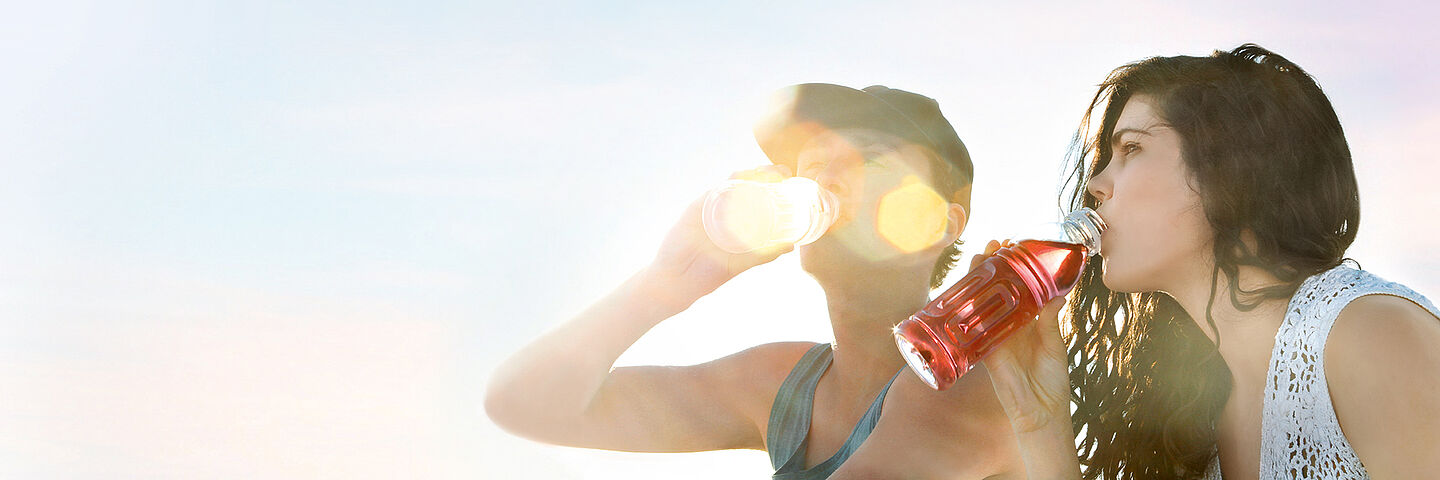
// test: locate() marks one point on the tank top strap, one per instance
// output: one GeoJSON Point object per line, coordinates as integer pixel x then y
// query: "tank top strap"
{"type": "Point", "coordinates": [790, 414]}
{"type": "Point", "coordinates": [871, 418]}
{"type": "Point", "coordinates": [793, 470]}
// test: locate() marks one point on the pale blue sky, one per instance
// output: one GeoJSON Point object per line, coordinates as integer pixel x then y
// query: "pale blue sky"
{"type": "Point", "coordinates": [291, 240]}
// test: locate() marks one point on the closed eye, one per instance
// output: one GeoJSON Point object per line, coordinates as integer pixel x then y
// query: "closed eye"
{"type": "Point", "coordinates": [878, 158]}
{"type": "Point", "coordinates": [810, 169]}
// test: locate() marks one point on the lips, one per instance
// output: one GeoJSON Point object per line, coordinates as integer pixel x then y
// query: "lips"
{"type": "Point", "coordinates": [1108, 234]}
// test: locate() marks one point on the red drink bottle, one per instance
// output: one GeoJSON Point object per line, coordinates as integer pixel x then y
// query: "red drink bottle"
{"type": "Point", "coordinates": [959, 327]}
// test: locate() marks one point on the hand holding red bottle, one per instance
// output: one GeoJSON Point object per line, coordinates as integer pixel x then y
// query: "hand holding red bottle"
{"type": "Point", "coordinates": [1028, 370]}
{"type": "Point", "coordinates": [1003, 291]}
{"type": "Point", "coordinates": [1031, 378]}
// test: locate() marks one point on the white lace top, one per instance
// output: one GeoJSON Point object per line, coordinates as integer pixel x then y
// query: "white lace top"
{"type": "Point", "coordinates": [1299, 434]}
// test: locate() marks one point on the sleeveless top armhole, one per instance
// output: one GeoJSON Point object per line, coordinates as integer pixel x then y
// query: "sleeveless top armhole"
{"type": "Point", "coordinates": [789, 424]}
{"type": "Point", "coordinates": [1300, 435]}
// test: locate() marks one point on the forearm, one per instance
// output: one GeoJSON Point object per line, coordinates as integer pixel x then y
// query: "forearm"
{"type": "Point", "coordinates": [1049, 451]}
{"type": "Point", "coordinates": [555, 378]}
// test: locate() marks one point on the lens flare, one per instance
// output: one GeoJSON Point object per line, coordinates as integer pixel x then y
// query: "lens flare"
{"type": "Point", "coordinates": [741, 215]}
{"type": "Point", "coordinates": [742, 219]}
{"type": "Point", "coordinates": [912, 217]}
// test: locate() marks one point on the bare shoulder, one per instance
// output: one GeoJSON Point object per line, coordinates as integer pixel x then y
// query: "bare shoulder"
{"type": "Point", "coordinates": [970, 402]}
{"type": "Point", "coordinates": [961, 432]}
{"type": "Point", "coordinates": [761, 363]}
{"type": "Point", "coordinates": [1375, 333]}
{"type": "Point", "coordinates": [752, 377]}
{"type": "Point", "coordinates": [1381, 364]}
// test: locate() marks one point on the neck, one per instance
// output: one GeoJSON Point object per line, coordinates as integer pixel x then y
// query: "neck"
{"type": "Point", "coordinates": [1246, 337]}
{"type": "Point", "coordinates": [863, 310]}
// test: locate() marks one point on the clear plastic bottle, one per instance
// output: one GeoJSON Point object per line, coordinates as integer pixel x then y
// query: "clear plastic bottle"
{"type": "Point", "coordinates": [743, 216]}
{"type": "Point", "coordinates": [962, 325]}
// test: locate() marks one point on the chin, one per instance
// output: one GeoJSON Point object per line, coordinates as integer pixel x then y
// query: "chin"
{"type": "Point", "coordinates": [1116, 280]}
{"type": "Point", "coordinates": [829, 257]}
{"type": "Point", "coordinates": [816, 258]}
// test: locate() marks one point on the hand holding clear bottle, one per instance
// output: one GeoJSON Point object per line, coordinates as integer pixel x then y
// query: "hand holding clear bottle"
{"type": "Point", "coordinates": [690, 265]}
{"type": "Point", "coordinates": [748, 215]}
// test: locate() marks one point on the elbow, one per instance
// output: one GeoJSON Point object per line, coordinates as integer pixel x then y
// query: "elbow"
{"type": "Point", "coordinates": [501, 406]}
{"type": "Point", "coordinates": [518, 409]}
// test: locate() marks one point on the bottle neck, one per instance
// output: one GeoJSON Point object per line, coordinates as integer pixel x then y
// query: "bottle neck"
{"type": "Point", "coordinates": [1084, 227]}
{"type": "Point", "coordinates": [1081, 227]}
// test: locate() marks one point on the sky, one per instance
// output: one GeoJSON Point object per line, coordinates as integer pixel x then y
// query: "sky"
{"type": "Point", "coordinates": [293, 239]}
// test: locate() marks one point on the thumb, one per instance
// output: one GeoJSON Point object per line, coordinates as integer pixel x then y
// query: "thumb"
{"type": "Point", "coordinates": [768, 254]}
{"type": "Point", "coordinates": [1048, 323]}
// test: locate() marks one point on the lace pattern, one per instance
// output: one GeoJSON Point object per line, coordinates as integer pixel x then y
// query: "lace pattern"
{"type": "Point", "coordinates": [1300, 436]}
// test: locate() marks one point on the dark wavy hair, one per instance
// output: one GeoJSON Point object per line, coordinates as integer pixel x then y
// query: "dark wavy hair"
{"type": "Point", "coordinates": [1264, 149]}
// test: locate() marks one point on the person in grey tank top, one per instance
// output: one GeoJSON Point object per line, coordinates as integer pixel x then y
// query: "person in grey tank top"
{"type": "Point", "coordinates": [848, 409]}
{"type": "Point", "coordinates": [1222, 332]}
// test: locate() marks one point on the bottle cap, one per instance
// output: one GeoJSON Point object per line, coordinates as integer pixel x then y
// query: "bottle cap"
{"type": "Point", "coordinates": [1084, 226]}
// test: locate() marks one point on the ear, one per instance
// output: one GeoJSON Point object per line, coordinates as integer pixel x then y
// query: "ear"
{"type": "Point", "coordinates": [957, 218]}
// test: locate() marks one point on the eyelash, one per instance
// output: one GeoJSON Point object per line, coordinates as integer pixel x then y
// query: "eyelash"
{"type": "Point", "coordinates": [1129, 148]}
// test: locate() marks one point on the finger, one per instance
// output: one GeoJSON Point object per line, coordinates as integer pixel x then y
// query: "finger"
{"type": "Point", "coordinates": [991, 247]}
{"type": "Point", "coordinates": [783, 170]}
{"type": "Point", "coordinates": [767, 173]}
{"type": "Point", "coordinates": [975, 261]}
{"type": "Point", "coordinates": [767, 255]}
{"type": "Point", "coordinates": [693, 214]}
{"type": "Point", "coordinates": [1052, 309]}
{"type": "Point", "coordinates": [1050, 316]}
{"type": "Point", "coordinates": [770, 173]}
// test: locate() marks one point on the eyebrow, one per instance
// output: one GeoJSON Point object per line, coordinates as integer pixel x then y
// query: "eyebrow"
{"type": "Point", "coordinates": [875, 151]}
{"type": "Point", "coordinates": [1115, 136]}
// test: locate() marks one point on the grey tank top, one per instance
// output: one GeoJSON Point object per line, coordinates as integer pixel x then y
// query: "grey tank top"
{"type": "Point", "coordinates": [790, 420]}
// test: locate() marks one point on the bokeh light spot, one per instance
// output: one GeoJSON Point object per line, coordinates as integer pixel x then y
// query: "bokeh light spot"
{"type": "Point", "coordinates": [912, 217]}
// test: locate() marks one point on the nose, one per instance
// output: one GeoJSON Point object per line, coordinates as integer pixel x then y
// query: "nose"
{"type": "Point", "coordinates": [836, 166]}
{"type": "Point", "coordinates": [832, 181]}
{"type": "Point", "coordinates": [1100, 186]}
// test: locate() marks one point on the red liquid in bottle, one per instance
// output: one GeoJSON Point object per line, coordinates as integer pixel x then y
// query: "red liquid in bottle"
{"type": "Point", "coordinates": [951, 334]}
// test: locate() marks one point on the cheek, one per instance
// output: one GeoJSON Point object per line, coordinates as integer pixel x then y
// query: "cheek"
{"type": "Point", "coordinates": [1182, 228]}
{"type": "Point", "coordinates": [1151, 250]}
{"type": "Point", "coordinates": [849, 187]}
{"type": "Point", "coordinates": [1159, 232]}
{"type": "Point", "coordinates": [884, 218]}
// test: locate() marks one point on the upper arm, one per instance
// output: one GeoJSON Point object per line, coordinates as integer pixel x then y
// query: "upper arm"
{"type": "Point", "coordinates": [1382, 362]}
{"type": "Point", "coordinates": [720, 404]}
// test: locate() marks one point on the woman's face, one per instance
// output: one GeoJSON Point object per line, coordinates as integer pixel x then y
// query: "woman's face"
{"type": "Point", "coordinates": [1158, 235]}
